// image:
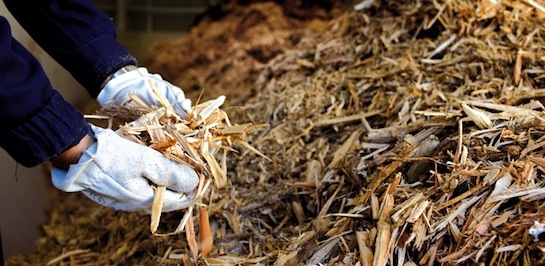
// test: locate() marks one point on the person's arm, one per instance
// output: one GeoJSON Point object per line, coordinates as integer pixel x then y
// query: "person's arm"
{"type": "Point", "coordinates": [73, 154]}
{"type": "Point", "coordinates": [83, 40]}
{"type": "Point", "coordinates": [36, 122]}
{"type": "Point", "coordinates": [42, 126]}
{"type": "Point", "coordinates": [77, 35]}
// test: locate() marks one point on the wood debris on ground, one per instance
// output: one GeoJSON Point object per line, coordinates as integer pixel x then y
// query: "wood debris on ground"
{"type": "Point", "coordinates": [410, 133]}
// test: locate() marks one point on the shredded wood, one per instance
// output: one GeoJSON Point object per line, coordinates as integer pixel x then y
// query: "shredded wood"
{"type": "Point", "coordinates": [410, 133]}
{"type": "Point", "coordinates": [191, 140]}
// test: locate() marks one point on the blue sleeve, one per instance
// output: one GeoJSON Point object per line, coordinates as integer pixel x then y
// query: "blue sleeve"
{"type": "Point", "coordinates": [76, 34]}
{"type": "Point", "coordinates": [37, 123]}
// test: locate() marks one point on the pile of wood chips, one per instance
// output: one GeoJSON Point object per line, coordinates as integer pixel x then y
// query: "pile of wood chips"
{"type": "Point", "coordinates": [227, 47]}
{"type": "Point", "coordinates": [411, 133]}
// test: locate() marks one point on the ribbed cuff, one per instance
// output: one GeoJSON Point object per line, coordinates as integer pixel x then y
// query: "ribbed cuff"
{"type": "Point", "coordinates": [106, 55]}
{"type": "Point", "coordinates": [55, 128]}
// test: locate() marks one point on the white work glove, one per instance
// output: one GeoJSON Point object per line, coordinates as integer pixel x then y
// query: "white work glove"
{"type": "Point", "coordinates": [118, 90]}
{"type": "Point", "coordinates": [117, 173]}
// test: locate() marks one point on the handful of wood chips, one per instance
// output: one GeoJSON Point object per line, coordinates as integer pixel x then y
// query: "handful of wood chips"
{"type": "Point", "coordinates": [194, 140]}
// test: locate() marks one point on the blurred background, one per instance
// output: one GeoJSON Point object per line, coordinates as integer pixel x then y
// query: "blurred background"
{"type": "Point", "coordinates": [23, 192]}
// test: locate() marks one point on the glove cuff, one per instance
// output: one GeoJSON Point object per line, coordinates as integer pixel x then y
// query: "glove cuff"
{"type": "Point", "coordinates": [66, 180]}
{"type": "Point", "coordinates": [112, 85]}
{"type": "Point", "coordinates": [118, 73]}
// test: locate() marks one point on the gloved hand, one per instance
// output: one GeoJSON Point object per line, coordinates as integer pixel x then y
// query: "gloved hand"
{"type": "Point", "coordinates": [116, 172]}
{"type": "Point", "coordinates": [117, 91]}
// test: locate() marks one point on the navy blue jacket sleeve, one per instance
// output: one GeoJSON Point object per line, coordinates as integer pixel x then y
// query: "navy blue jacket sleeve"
{"type": "Point", "coordinates": [37, 123]}
{"type": "Point", "coordinates": [76, 34]}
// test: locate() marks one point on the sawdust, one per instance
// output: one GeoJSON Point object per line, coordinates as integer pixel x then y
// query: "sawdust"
{"type": "Point", "coordinates": [223, 53]}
